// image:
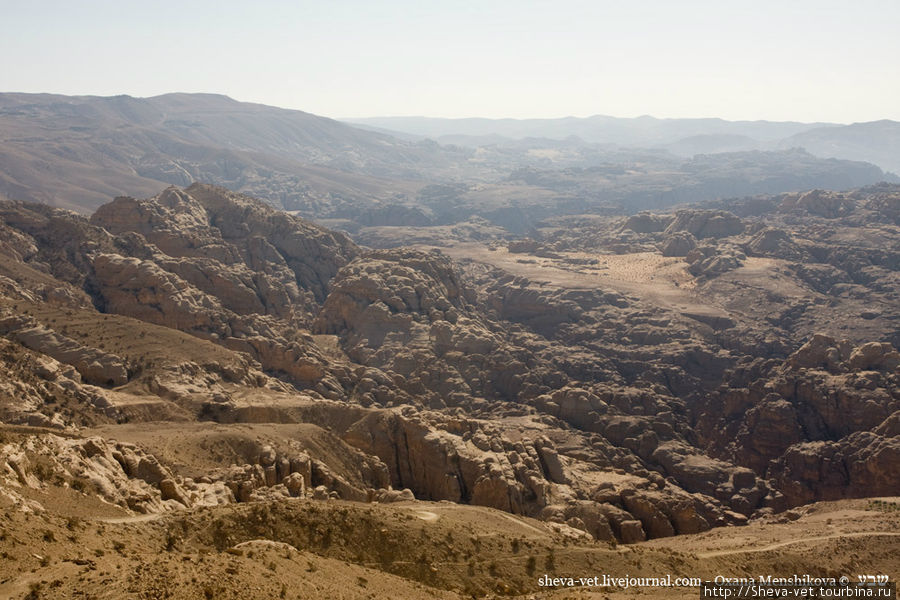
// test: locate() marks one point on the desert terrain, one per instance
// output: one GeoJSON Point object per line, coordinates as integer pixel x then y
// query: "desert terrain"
{"type": "Point", "coordinates": [203, 396]}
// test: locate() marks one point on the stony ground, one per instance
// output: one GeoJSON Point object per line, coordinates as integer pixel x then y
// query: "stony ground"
{"type": "Point", "coordinates": [304, 548]}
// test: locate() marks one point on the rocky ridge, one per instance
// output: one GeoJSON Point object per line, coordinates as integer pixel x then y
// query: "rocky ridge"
{"type": "Point", "coordinates": [614, 413]}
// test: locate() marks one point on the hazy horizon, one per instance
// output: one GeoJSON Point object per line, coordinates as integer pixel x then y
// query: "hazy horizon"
{"type": "Point", "coordinates": [807, 61]}
{"type": "Point", "coordinates": [422, 116]}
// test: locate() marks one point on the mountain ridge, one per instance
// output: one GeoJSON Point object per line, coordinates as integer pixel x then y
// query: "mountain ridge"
{"type": "Point", "coordinates": [77, 152]}
{"type": "Point", "coordinates": [828, 140]}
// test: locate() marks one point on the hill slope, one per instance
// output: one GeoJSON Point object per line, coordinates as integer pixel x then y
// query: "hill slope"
{"type": "Point", "coordinates": [877, 142]}
{"type": "Point", "coordinates": [77, 152]}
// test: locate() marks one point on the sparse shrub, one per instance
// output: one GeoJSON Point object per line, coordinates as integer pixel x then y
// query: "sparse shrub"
{"type": "Point", "coordinates": [220, 537]}
{"type": "Point", "coordinates": [34, 591]}
{"type": "Point", "coordinates": [171, 541]}
{"type": "Point", "coordinates": [42, 470]}
{"type": "Point", "coordinates": [530, 565]}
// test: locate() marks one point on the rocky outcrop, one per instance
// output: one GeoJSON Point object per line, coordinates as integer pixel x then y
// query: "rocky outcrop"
{"type": "Point", "coordinates": [408, 312]}
{"type": "Point", "coordinates": [33, 384]}
{"type": "Point", "coordinates": [439, 465]}
{"type": "Point", "coordinates": [390, 290]}
{"type": "Point", "coordinates": [862, 464]}
{"type": "Point", "coordinates": [823, 203]}
{"type": "Point", "coordinates": [706, 223]}
{"type": "Point", "coordinates": [819, 426]}
{"type": "Point", "coordinates": [143, 290]}
{"type": "Point", "coordinates": [645, 222]}
{"type": "Point", "coordinates": [95, 366]}
{"type": "Point", "coordinates": [879, 356]}
{"type": "Point", "coordinates": [737, 487]}
{"type": "Point", "coordinates": [821, 352]}
{"type": "Point", "coordinates": [468, 462]}
{"type": "Point", "coordinates": [710, 261]}
{"type": "Point", "coordinates": [679, 243]}
{"type": "Point", "coordinates": [119, 473]}
{"type": "Point", "coordinates": [776, 243]}
{"type": "Point", "coordinates": [208, 222]}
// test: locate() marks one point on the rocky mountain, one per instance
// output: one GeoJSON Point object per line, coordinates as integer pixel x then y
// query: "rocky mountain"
{"type": "Point", "coordinates": [229, 373]}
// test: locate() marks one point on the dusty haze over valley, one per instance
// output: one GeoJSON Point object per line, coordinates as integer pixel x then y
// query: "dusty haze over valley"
{"type": "Point", "coordinates": [248, 350]}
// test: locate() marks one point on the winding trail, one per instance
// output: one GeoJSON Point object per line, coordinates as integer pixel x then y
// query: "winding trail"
{"type": "Point", "coordinates": [132, 518]}
{"type": "Point", "coordinates": [797, 541]}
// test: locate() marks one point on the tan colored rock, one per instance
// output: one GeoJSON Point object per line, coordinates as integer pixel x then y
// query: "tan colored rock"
{"type": "Point", "coordinates": [591, 518]}
{"type": "Point", "coordinates": [678, 244]}
{"type": "Point", "coordinates": [706, 223]}
{"type": "Point", "coordinates": [874, 355]}
{"type": "Point", "coordinates": [631, 532]}
{"type": "Point", "coordinates": [654, 521]}
{"type": "Point", "coordinates": [820, 351]}
{"type": "Point", "coordinates": [169, 490]}
{"type": "Point", "coordinates": [295, 484]}
{"type": "Point", "coordinates": [823, 203]}
{"type": "Point", "coordinates": [645, 222]}
{"type": "Point", "coordinates": [552, 464]}
{"type": "Point", "coordinates": [92, 466]}
{"type": "Point", "coordinates": [388, 496]}
{"type": "Point", "coordinates": [95, 366]}
{"type": "Point", "coordinates": [776, 243]}
{"type": "Point", "coordinates": [861, 464]}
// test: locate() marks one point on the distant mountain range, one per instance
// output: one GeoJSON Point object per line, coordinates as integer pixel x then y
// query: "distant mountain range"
{"type": "Point", "coordinates": [877, 142]}
{"type": "Point", "coordinates": [79, 152]}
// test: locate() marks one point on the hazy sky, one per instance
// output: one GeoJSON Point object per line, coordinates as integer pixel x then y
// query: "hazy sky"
{"type": "Point", "coordinates": [820, 60]}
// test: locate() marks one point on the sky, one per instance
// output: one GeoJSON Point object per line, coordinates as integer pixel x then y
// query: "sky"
{"type": "Point", "coordinates": [821, 60]}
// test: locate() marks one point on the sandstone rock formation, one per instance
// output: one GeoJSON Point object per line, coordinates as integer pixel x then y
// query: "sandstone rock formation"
{"type": "Point", "coordinates": [94, 366]}
{"type": "Point", "coordinates": [706, 224]}
{"type": "Point", "coordinates": [588, 379]}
